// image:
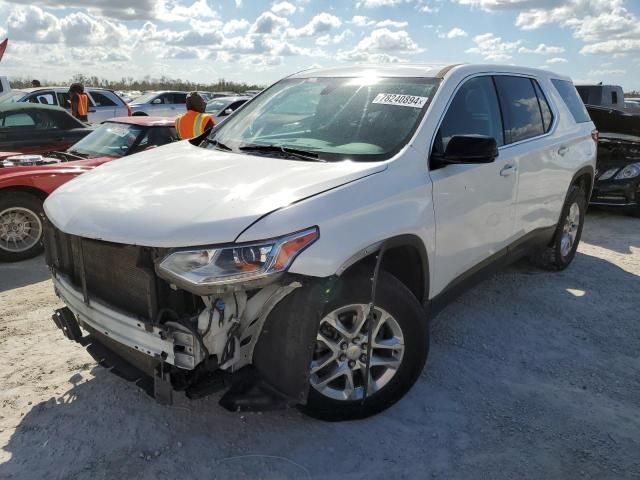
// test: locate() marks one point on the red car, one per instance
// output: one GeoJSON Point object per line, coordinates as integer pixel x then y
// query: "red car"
{"type": "Point", "coordinates": [23, 188]}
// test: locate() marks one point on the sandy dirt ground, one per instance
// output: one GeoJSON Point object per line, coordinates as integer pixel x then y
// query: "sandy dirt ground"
{"type": "Point", "coordinates": [530, 375]}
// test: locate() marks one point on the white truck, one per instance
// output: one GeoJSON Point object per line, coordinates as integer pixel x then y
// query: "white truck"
{"type": "Point", "coordinates": [308, 239]}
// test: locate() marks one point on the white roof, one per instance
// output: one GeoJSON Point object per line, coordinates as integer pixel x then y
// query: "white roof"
{"type": "Point", "coordinates": [423, 70]}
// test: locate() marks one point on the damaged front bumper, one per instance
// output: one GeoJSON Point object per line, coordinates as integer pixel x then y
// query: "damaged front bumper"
{"type": "Point", "coordinates": [172, 345]}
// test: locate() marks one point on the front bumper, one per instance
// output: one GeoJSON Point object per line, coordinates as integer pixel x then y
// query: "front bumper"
{"type": "Point", "coordinates": [171, 345]}
{"type": "Point", "coordinates": [616, 193]}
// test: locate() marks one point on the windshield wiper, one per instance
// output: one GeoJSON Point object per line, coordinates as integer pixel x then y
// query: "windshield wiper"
{"type": "Point", "coordinates": [218, 144]}
{"type": "Point", "coordinates": [292, 152]}
{"type": "Point", "coordinates": [75, 153]}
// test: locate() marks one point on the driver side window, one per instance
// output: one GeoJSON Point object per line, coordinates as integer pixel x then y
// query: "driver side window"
{"type": "Point", "coordinates": [474, 110]}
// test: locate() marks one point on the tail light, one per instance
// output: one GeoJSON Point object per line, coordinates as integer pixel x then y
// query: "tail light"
{"type": "Point", "coordinates": [595, 134]}
{"type": "Point", "coordinates": [129, 114]}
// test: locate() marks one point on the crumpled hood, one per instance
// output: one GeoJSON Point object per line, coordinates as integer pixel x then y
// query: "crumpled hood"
{"type": "Point", "coordinates": [182, 195]}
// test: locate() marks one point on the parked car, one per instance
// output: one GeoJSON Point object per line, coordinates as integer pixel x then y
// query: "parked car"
{"type": "Point", "coordinates": [251, 93]}
{"type": "Point", "coordinates": [618, 169]}
{"type": "Point", "coordinates": [32, 128]}
{"type": "Point", "coordinates": [161, 104]}
{"type": "Point", "coordinates": [608, 96]}
{"type": "Point", "coordinates": [25, 181]}
{"type": "Point", "coordinates": [213, 95]}
{"type": "Point", "coordinates": [103, 103]}
{"type": "Point", "coordinates": [334, 190]}
{"type": "Point", "coordinates": [222, 107]}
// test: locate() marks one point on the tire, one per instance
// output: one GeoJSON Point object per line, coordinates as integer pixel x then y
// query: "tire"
{"type": "Point", "coordinates": [27, 209]}
{"type": "Point", "coordinates": [402, 307]}
{"type": "Point", "coordinates": [556, 256]}
{"type": "Point", "coordinates": [139, 114]}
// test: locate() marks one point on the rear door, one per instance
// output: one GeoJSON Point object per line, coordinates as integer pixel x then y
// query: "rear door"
{"type": "Point", "coordinates": [103, 107]}
{"type": "Point", "coordinates": [474, 204]}
{"type": "Point", "coordinates": [179, 105]}
{"type": "Point", "coordinates": [529, 119]}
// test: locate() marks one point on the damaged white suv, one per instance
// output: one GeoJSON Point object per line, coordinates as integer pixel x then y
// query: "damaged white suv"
{"type": "Point", "coordinates": [296, 254]}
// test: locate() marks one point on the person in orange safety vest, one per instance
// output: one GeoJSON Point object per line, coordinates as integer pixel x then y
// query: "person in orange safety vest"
{"type": "Point", "coordinates": [194, 122]}
{"type": "Point", "coordinates": [79, 102]}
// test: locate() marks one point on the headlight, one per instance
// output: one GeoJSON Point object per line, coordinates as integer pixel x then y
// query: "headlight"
{"type": "Point", "coordinates": [608, 174]}
{"type": "Point", "coordinates": [236, 263]}
{"type": "Point", "coordinates": [630, 171]}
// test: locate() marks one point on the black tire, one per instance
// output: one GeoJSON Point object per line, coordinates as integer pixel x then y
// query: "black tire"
{"type": "Point", "coordinates": [552, 257]}
{"type": "Point", "coordinates": [395, 298]}
{"type": "Point", "coordinates": [139, 114]}
{"type": "Point", "coordinates": [33, 204]}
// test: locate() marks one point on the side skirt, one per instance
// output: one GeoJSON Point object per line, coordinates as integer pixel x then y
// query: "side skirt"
{"type": "Point", "coordinates": [525, 245]}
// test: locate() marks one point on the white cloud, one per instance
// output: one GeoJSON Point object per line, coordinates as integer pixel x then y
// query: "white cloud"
{"type": "Point", "coordinates": [378, 3]}
{"type": "Point", "coordinates": [381, 46]}
{"type": "Point", "coordinates": [455, 33]}
{"type": "Point", "coordinates": [269, 23]}
{"type": "Point", "coordinates": [325, 40]}
{"type": "Point", "coordinates": [493, 48]}
{"type": "Point", "coordinates": [238, 3]}
{"type": "Point", "coordinates": [629, 45]}
{"type": "Point", "coordinates": [235, 25]}
{"type": "Point", "coordinates": [542, 49]}
{"type": "Point", "coordinates": [607, 72]}
{"type": "Point", "coordinates": [391, 23]}
{"type": "Point", "coordinates": [321, 23]}
{"type": "Point", "coordinates": [362, 21]}
{"type": "Point", "coordinates": [556, 60]}
{"type": "Point", "coordinates": [284, 8]}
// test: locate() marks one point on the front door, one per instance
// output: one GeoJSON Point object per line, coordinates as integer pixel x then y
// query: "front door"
{"type": "Point", "coordinates": [474, 204]}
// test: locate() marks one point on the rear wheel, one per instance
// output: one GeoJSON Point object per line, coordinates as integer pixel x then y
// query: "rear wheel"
{"type": "Point", "coordinates": [399, 349]}
{"type": "Point", "coordinates": [21, 226]}
{"type": "Point", "coordinates": [560, 253]}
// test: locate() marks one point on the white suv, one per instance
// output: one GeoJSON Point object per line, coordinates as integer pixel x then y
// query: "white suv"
{"type": "Point", "coordinates": [312, 235]}
{"type": "Point", "coordinates": [103, 104]}
{"type": "Point", "coordinates": [160, 104]}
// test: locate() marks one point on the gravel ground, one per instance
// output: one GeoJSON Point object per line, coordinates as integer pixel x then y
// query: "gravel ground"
{"type": "Point", "coordinates": [530, 375]}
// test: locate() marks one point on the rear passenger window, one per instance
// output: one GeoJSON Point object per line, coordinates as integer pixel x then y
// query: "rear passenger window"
{"type": "Point", "coordinates": [17, 119]}
{"type": "Point", "coordinates": [179, 98]}
{"type": "Point", "coordinates": [571, 99]}
{"type": "Point", "coordinates": [474, 110]}
{"type": "Point", "coordinates": [547, 116]}
{"type": "Point", "coordinates": [520, 108]}
{"type": "Point", "coordinates": [101, 100]}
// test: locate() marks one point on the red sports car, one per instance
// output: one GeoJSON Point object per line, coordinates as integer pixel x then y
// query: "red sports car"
{"type": "Point", "coordinates": [26, 180]}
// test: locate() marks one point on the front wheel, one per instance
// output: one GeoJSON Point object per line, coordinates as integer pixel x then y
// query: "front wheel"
{"type": "Point", "coordinates": [21, 226]}
{"type": "Point", "coordinates": [399, 344]}
{"type": "Point", "coordinates": [560, 253]}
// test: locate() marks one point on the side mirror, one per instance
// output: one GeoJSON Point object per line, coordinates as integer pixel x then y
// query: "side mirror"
{"type": "Point", "coordinates": [468, 149]}
{"type": "Point", "coordinates": [228, 111]}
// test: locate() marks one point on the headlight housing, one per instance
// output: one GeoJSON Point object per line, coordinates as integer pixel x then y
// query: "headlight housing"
{"type": "Point", "coordinates": [608, 174]}
{"type": "Point", "coordinates": [233, 264]}
{"type": "Point", "coordinates": [630, 171]}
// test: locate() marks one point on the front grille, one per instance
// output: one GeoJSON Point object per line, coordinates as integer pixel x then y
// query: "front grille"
{"type": "Point", "coordinates": [116, 274]}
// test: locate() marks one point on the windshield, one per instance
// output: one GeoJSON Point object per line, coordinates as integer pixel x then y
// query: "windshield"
{"type": "Point", "coordinates": [216, 105]}
{"type": "Point", "coordinates": [13, 96]}
{"type": "Point", "coordinates": [361, 118]}
{"type": "Point", "coordinates": [146, 98]}
{"type": "Point", "coordinates": [109, 139]}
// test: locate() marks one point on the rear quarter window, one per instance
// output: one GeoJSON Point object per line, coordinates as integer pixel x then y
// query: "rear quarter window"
{"type": "Point", "coordinates": [102, 100]}
{"type": "Point", "coordinates": [572, 100]}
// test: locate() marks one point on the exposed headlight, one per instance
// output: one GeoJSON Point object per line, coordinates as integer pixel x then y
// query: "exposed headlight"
{"type": "Point", "coordinates": [608, 174]}
{"type": "Point", "coordinates": [236, 263]}
{"type": "Point", "coordinates": [630, 171]}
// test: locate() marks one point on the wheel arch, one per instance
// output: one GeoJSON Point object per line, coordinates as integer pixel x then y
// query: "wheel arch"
{"type": "Point", "coordinates": [36, 192]}
{"type": "Point", "coordinates": [404, 257]}
{"type": "Point", "coordinates": [584, 178]}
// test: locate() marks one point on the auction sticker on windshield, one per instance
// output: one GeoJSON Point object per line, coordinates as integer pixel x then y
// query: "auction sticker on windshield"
{"type": "Point", "coordinates": [401, 100]}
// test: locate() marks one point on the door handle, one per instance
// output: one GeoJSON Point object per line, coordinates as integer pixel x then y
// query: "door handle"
{"type": "Point", "coordinates": [507, 170]}
{"type": "Point", "coordinates": [562, 150]}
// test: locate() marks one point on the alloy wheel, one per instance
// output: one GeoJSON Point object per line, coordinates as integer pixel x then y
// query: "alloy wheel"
{"type": "Point", "coordinates": [570, 229]}
{"type": "Point", "coordinates": [20, 229]}
{"type": "Point", "coordinates": [338, 368]}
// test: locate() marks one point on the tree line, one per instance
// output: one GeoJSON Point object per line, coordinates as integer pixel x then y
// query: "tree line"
{"type": "Point", "coordinates": [144, 84]}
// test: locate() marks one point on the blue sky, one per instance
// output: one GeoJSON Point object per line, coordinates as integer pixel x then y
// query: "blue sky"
{"type": "Point", "coordinates": [260, 41]}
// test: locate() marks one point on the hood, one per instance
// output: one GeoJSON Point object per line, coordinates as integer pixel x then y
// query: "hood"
{"type": "Point", "coordinates": [180, 195]}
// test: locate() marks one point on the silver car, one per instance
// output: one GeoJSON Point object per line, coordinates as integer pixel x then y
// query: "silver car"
{"type": "Point", "coordinates": [222, 107]}
{"type": "Point", "coordinates": [160, 104]}
{"type": "Point", "coordinates": [103, 104]}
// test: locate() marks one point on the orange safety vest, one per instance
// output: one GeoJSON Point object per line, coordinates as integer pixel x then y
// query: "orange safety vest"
{"type": "Point", "coordinates": [83, 104]}
{"type": "Point", "coordinates": [192, 124]}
